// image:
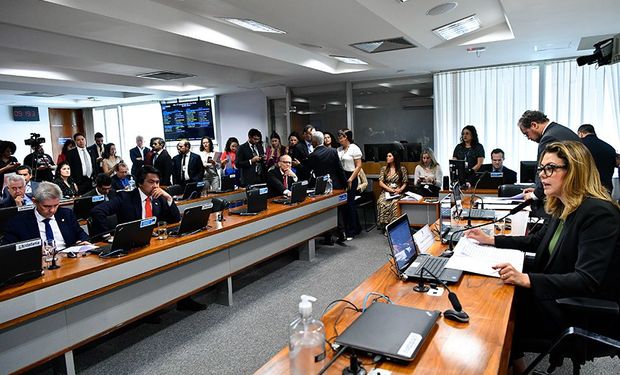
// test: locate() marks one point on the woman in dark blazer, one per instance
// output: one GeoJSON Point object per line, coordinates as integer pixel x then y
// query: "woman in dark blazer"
{"type": "Point", "coordinates": [577, 252]}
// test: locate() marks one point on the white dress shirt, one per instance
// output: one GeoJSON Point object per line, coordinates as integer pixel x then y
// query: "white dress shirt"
{"type": "Point", "coordinates": [60, 240]}
{"type": "Point", "coordinates": [87, 165]}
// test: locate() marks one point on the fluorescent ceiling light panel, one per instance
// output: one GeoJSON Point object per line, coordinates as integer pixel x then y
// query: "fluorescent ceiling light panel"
{"type": "Point", "coordinates": [349, 60]}
{"type": "Point", "coordinates": [175, 88]}
{"type": "Point", "coordinates": [35, 74]}
{"type": "Point", "coordinates": [458, 28]}
{"type": "Point", "coordinates": [254, 25]}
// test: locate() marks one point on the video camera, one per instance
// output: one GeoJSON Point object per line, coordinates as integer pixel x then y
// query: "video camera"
{"type": "Point", "coordinates": [605, 52]}
{"type": "Point", "coordinates": [34, 141]}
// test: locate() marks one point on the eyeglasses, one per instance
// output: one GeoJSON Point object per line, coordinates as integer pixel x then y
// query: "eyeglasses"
{"type": "Point", "coordinates": [549, 169]}
{"type": "Point", "coordinates": [285, 162]}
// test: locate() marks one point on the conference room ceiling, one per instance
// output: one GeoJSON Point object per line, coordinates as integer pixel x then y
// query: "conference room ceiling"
{"type": "Point", "coordinates": [92, 52]}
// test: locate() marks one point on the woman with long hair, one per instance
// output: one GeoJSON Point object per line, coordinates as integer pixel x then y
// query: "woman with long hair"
{"type": "Point", "coordinates": [351, 159]}
{"type": "Point", "coordinates": [393, 181]}
{"type": "Point", "coordinates": [207, 155]}
{"type": "Point", "coordinates": [469, 150]}
{"type": "Point", "coordinates": [64, 181]}
{"type": "Point", "coordinates": [427, 173]}
{"type": "Point", "coordinates": [110, 159]}
{"type": "Point", "coordinates": [330, 140]}
{"type": "Point", "coordinates": [227, 160]}
{"type": "Point", "coordinates": [274, 150]}
{"type": "Point", "coordinates": [8, 162]}
{"type": "Point", "coordinates": [577, 251]}
{"type": "Point", "coordinates": [66, 147]}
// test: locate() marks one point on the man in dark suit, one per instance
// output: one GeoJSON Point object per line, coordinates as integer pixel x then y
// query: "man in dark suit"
{"type": "Point", "coordinates": [603, 153]}
{"type": "Point", "coordinates": [122, 179]}
{"type": "Point", "coordinates": [103, 186]}
{"type": "Point", "coordinates": [186, 166]}
{"type": "Point", "coordinates": [281, 178]}
{"type": "Point", "coordinates": [251, 160]}
{"type": "Point", "coordinates": [302, 149]}
{"type": "Point", "coordinates": [96, 152]}
{"type": "Point", "coordinates": [497, 166]}
{"type": "Point", "coordinates": [82, 163]}
{"type": "Point", "coordinates": [16, 193]}
{"type": "Point", "coordinates": [31, 186]}
{"type": "Point", "coordinates": [538, 128]}
{"type": "Point", "coordinates": [46, 220]}
{"type": "Point", "coordinates": [160, 159]}
{"type": "Point", "coordinates": [137, 155]}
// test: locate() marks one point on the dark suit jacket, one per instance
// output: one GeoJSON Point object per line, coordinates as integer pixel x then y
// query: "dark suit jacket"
{"type": "Point", "coordinates": [510, 176]}
{"type": "Point", "coordinates": [128, 207]}
{"type": "Point", "coordinates": [586, 259]}
{"type": "Point", "coordinates": [163, 163]}
{"type": "Point", "coordinates": [93, 192]}
{"type": "Point", "coordinates": [134, 154]}
{"type": "Point", "coordinates": [73, 158]}
{"type": "Point", "coordinates": [604, 158]}
{"type": "Point", "coordinates": [33, 185]}
{"type": "Point", "coordinates": [195, 169]}
{"type": "Point", "coordinates": [554, 132]}
{"type": "Point", "coordinates": [25, 227]}
{"type": "Point", "coordinates": [324, 160]}
{"type": "Point", "coordinates": [300, 152]}
{"type": "Point", "coordinates": [275, 182]}
{"type": "Point", "coordinates": [247, 171]}
{"type": "Point", "coordinates": [117, 184]}
{"type": "Point", "coordinates": [94, 154]}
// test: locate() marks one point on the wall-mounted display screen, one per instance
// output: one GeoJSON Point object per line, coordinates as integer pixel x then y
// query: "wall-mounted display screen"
{"type": "Point", "coordinates": [25, 114]}
{"type": "Point", "coordinates": [188, 120]}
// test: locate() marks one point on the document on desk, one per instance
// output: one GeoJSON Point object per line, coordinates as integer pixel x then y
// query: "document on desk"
{"type": "Point", "coordinates": [471, 257]}
{"type": "Point", "coordinates": [498, 200]}
{"type": "Point", "coordinates": [78, 249]}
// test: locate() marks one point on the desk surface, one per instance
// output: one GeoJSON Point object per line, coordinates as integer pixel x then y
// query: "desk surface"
{"type": "Point", "coordinates": [480, 347]}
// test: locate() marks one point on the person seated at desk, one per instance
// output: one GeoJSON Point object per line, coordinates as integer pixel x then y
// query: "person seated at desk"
{"type": "Point", "coordinates": [16, 193]}
{"type": "Point", "coordinates": [103, 186]}
{"type": "Point", "coordinates": [577, 252]}
{"type": "Point", "coordinates": [497, 166]}
{"type": "Point", "coordinates": [46, 221]}
{"type": "Point", "coordinates": [31, 186]}
{"type": "Point", "coordinates": [64, 180]}
{"type": "Point", "coordinates": [427, 176]}
{"type": "Point", "coordinates": [281, 178]}
{"type": "Point", "coordinates": [121, 179]}
{"type": "Point", "coordinates": [393, 181]}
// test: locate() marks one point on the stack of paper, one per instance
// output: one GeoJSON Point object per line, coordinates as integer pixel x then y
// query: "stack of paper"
{"type": "Point", "coordinates": [471, 257]}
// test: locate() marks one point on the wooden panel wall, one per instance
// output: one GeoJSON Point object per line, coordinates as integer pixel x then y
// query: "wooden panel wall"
{"type": "Point", "coordinates": [63, 124]}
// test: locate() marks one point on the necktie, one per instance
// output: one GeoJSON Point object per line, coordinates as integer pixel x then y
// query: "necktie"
{"type": "Point", "coordinates": [148, 208]}
{"type": "Point", "coordinates": [49, 234]}
{"type": "Point", "coordinates": [183, 167]}
{"type": "Point", "coordinates": [285, 183]}
{"type": "Point", "coordinates": [155, 158]}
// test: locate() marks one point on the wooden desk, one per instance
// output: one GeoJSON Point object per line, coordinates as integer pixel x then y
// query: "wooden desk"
{"type": "Point", "coordinates": [420, 213]}
{"type": "Point", "coordinates": [89, 297]}
{"type": "Point", "coordinates": [480, 347]}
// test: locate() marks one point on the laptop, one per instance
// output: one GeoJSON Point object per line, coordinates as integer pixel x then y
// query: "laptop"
{"type": "Point", "coordinates": [393, 331]}
{"type": "Point", "coordinates": [193, 190]}
{"type": "Point", "coordinates": [409, 261]}
{"type": "Point", "coordinates": [9, 213]}
{"type": "Point", "coordinates": [299, 191]}
{"type": "Point", "coordinates": [83, 206]}
{"type": "Point", "coordinates": [194, 220]}
{"type": "Point", "coordinates": [256, 202]}
{"type": "Point", "coordinates": [319, 186]}
{"type": "Point", "coordinates": [21, 261]}
{"type": "Point", "coordinates": [128, 236]}
{"type": "Point", "coordinates": [475, 213]}
{"type": "Point", "coordinates": [228, 183]}
{"type": "Point", "coordinates": [458, 172]}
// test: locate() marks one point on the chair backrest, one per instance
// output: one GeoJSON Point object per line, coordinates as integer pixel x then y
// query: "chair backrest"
{"type": "Point", "coordinates": [175, 190]}
{"type": "Point", "coordinates": [511, 190]}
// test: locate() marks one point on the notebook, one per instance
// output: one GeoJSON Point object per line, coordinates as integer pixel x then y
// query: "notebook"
{"type": "Point", "coordinates": [298, 193]}
{"type": "Point", "coordinates": [194, 220]}
{"type": "Point", "coordinates": [393, 331]}
{"type": "Point", "coordinates": [128, 236]}
{"type": "Point", "coordinates": [408, 259]}
{"type": "Point", "coordinates": [21, 261]}
{"type": "Point", "coordinates": [320, 186]}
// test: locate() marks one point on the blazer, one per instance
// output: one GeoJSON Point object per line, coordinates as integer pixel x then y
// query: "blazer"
{"type": "Point", "coordinates": [604, 157]}
{"type": "Point", "coordinates": [586, 259]}
{"type": "Point", "coordinates": [195, 168]}
{"type": "Point", "coordinates": [134, 154]}
{"type": "Point", "coordinates": [275, 182]}
{"type": "Point", "coordinates": [117, 184]}
{"type": "Point", "coordinates": [247, 171]}
{"type": "Point", "coordinates": [33, 186]}
{"type": "Point", "coordinates": [554, 132]}
{"type": "Point", "coordinates": [163, 164]}
{"type": "Point", "coordinates": [128, 207]}
{"type": "Point", "coordinates": [94, 154]}
{"type": "Point", "coordinates": [510, 176]}
{"type": "Point", "coordinates": [300, 152]}
{"type": "Point", "coordinates": [324, 160]}
{"type": "Point", "coordinates": [73, 158]}
{"type": "Point", "coordinates": [24, 227]}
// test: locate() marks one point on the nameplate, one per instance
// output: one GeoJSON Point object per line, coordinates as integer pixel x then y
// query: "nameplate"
{"type": "Point", "coordinates": [326, 178]}
{"type": "Point", "coordinates": [27, 245]}
{"type": "Point", "coordinates": [147, 222]}
{"type": "Point", "coordinates": [25, 208]}
{"type": "Point", "coordinates": [207, 206]}
{"type": "Point", "coordinates": [342, 197]}
{"type": "Point", "coordinates": [497, 174]}
{"type": "Point", "coordinates": [232, 175]}
{"type": "Point", "coordinates": [262, 191]}
{"type": "Point", "coordinates": [97, 198]}
{"type": "Point", "coordinates": [200, 184]}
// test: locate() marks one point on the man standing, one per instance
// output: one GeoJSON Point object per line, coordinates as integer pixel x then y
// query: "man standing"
{"type": "Point", "coordinates": [281, 178]}
{"type": "Point", "coordinates": [536, 127]}
{"type": "Point", "coordinates": [160, 159]}
{"type": "Point", "coordinates": [251, 160]}
{"type": "Point", "coordinates": [137, 155]}
{"type": "Point", "coordinates": [41, 163]}
{"type": "Point", "coordinates": [16, 193]}
{"type": "Point", "coordinates": [82, 164]}
{"type": "Point", "coordinates": [603, 153]}
{"type": "Point", "coordinates": [96, 152]}
{"type": "Point", "coordinates": [302, 149]}
{"type": "Point", "coordinates": [497, 166]}
{"type": "Point", "coordinates": [186, 166]}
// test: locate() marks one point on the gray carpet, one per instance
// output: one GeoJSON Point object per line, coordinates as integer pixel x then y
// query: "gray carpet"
{"type": "Point", "coordinates": [239, 339]}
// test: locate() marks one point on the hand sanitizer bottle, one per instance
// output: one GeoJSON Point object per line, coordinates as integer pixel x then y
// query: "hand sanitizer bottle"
{"type": "Point", "coordinates": [307, 341]}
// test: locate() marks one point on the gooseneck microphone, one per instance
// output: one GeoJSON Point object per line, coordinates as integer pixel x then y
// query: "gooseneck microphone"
{"type": "Point", "coordinates": [518, 208]}
{"type": "Point", "coordinates": [456, 313]}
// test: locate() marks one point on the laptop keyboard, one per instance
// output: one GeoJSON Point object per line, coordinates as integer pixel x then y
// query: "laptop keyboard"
{"type": "Point", "coordinates": [478, 213]}
{"type": "Point", "coordinates": [435, 265]}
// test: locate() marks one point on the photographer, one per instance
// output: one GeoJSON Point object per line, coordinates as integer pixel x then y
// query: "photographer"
{"type": "Point", "coordinates": [8, 162]}
{"type": "Point", "coordinates": [42, 164]}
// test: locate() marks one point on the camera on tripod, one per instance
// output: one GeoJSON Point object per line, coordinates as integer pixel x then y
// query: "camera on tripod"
{"type": "Point", "coordinates": [34, 141]}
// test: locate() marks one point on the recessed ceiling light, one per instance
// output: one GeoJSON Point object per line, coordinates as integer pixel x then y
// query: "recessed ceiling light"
{"type": "Point", "coordinates": [349, 60]}
{"type": "Point", "coordinates": [385, 45]}
{"type": "Point", "coordinates": [441, 9]}
{"type": "Point", "coordinates": [182, 88]}
{"type": "Point", "coordinates": [365, 106]}
{"type": "Point", "coordinates": [310, 45]}
{"type": "Point", "coordinates": [254, 25]}
{"type": "Point", "coordinates": [476, 49]}
{"type": "Point", "coordinates": [458, 28]}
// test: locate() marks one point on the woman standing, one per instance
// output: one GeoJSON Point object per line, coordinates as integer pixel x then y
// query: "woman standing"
{"type": "Point", "coordinates": [469, 150]}
{"type": "Point", "coordinates": [330, 140]}
{"type": "Point", "coordinates": [64, 181]}
{"type": "Point", "coordinates": [66, 147]}
{"type": "Point", "coordinates": [8, 162]}
{"type": "Point", "coordinates": [212, 174]}
{"type": "Point", "coordinates": [227, 160]}
{"type": "Point", "coordinates": [109, 159]}
{"type": "Point", "coordinates": [393, 181]}
{"type": "Point", "coordinates": [428, 173]}
{"type": "Point", "coordinates": [351, 160]}
{"type": "Point", "coordinates": [274, 151]}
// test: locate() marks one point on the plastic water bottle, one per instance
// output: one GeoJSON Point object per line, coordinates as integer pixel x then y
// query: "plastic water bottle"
{"type": "Point", "coordinates": [132, 184]}
{"type": "Point", "coordinates": [307, 341]}
{"type": "Point", "coordinates": [329, 186]}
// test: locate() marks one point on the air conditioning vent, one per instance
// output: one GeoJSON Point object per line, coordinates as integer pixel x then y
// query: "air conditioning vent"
{"type": "Point", "coordinates": [384, 45]}
{"type": "Point", "coordinates": [40, 94]}
{"type": "Point", "coordinates": [165, 76]}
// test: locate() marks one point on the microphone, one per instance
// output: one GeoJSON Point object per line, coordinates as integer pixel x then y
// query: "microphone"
{"type": "Point", "coordinates": [456, 313]}
{"type": "Point", "coordinates": [473, 195]}
{"type": "Point", "coordinates": [518, 208]}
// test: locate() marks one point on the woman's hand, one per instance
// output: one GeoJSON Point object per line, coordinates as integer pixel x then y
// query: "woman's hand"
{"type": "Point", "coordinates": [480, 236]}
{"type": "Point", "coordinates": [510, 275]}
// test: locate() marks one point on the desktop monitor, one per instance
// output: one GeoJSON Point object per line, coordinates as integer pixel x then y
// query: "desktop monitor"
{"type": "Point", "coordinates": [457, 172]}
{"type": "Point", "coordinates": [527, 172]}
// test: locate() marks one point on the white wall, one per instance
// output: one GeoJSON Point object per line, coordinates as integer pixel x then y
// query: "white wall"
{"type": "Point", "coordinates": [17, 131]}
{"type": "Point", "coordinates": [238, 113]}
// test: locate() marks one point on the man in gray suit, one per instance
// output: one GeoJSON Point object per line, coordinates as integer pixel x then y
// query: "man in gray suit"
{"type": "Point", "coordinates": [536, 127]}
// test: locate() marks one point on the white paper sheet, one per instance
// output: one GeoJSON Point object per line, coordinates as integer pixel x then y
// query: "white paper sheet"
{"type": "Point", "coordinates": [474, 258]}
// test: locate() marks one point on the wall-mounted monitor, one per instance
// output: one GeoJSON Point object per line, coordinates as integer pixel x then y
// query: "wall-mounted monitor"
{"type": "Point", "coordinates": [25, 114]}
{"type": "Point", "coordinates": [188, 120]}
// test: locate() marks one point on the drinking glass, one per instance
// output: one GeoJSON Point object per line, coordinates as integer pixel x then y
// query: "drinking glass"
{"type": "Point", "coordinates": [162, 231]}
{"type": "Point", "coordinates": [49, 248]}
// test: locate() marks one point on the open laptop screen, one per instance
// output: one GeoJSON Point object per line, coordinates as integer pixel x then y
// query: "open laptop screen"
{"type": "Point", "coordinates": [401, 242]}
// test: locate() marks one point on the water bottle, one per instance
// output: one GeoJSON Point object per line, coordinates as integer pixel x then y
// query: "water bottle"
{"type": "Point", "coordinates": [132, 184]}
{"type": "Point", "coordinates": [307, 341]}
{"type": "Point", "coordinates": [329, 186]}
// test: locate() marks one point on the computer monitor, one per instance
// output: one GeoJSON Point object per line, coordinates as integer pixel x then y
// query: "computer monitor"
{"type": "Point", "coordinates": [527, 172]}
{"type": "Point", "coordinates": [82, 206]}
{"type": "Point", "coordinates": [21, 261]}
{"type": "Point", "coordinates": [457, 172]}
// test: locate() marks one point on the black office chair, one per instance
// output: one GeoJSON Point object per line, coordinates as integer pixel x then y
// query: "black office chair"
{"type": "Point", "coordinates": [581, 342]}
{"type": "Point", "coordinates": [175, 190]}
{"type": "Point", "coordinates": [511, 190]}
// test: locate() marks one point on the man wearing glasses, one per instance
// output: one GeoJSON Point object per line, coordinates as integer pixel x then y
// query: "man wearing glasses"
{"type": "Point", "coordinates": [538, 128]}
{"type": "Point", "coordinates": [280, 179]}
{"type": "Point", "coordinates": [16, 190]}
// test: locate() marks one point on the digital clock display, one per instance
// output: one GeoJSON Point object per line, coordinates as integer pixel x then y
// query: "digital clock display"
{"type": "Point", "coordinates": [25, 114]}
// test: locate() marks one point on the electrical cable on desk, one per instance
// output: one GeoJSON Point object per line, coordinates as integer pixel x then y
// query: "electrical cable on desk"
{"type": "Point", "coordinates": [393, 266]}
{"type": "Point", "coordinates": [379, 296]}
{"type": "Point", "coordinates": [338, 300]}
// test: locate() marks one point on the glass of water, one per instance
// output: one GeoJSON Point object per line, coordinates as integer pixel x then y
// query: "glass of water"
{"type": "Point", "coordinates": [162, 231]}
{"type": "Point", "coordinates": [49, 249]}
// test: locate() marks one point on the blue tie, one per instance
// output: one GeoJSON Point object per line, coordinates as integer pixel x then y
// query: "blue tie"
{"type": "Point", "coordinates": [49, 235]}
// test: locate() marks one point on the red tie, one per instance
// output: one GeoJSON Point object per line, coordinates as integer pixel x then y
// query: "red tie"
{"type": "Point", "coordinates": [148, 209]}
{"type": "Point", "coordinates": [285, 183]}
